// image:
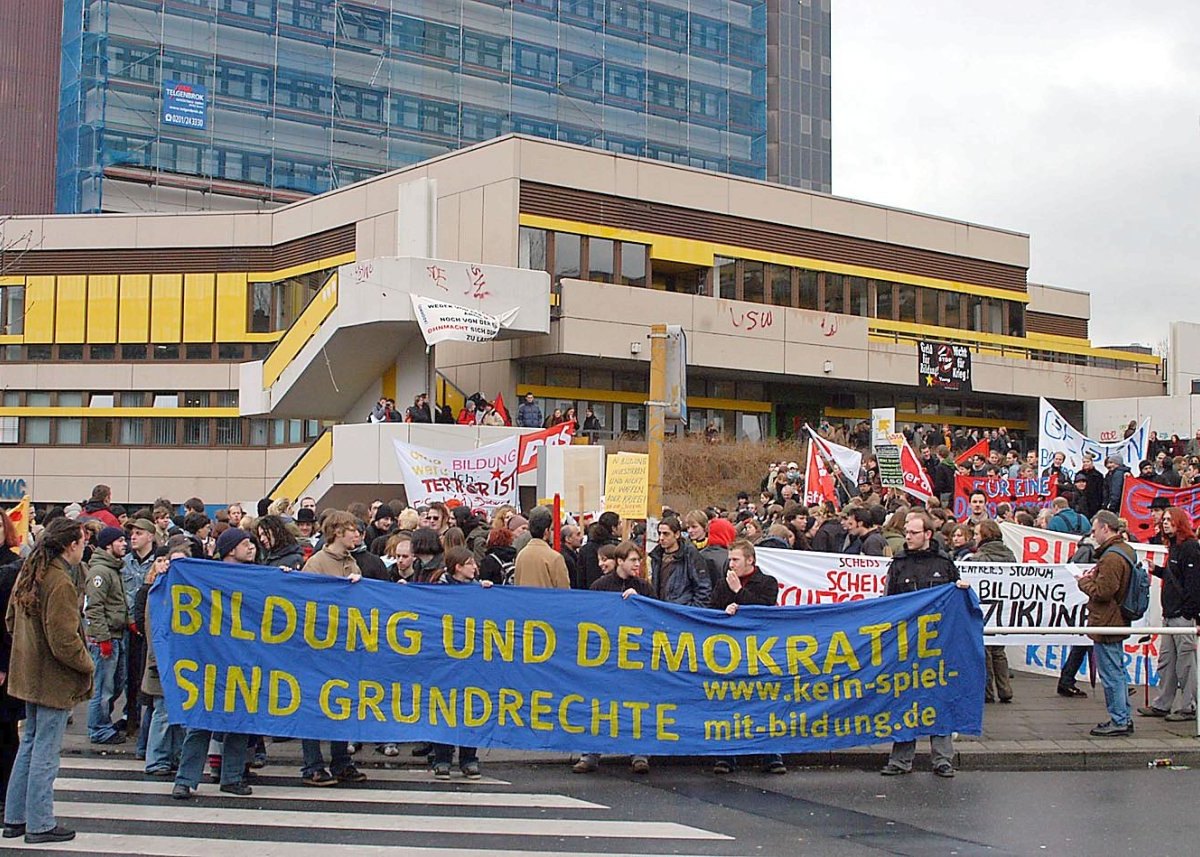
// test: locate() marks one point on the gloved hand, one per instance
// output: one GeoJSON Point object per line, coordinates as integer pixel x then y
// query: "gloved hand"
{"type": "Point", "coordinates": [106, 651]}
{"type": "Point", "coordinates": [134, 628]}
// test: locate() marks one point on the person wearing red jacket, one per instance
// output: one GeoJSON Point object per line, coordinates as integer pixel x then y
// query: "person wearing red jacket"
{"type": "Point", "coordinates": [98, 507]}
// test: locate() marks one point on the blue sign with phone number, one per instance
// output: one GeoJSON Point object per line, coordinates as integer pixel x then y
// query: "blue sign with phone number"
{"type": "Point", "coordinates": [185, 104]}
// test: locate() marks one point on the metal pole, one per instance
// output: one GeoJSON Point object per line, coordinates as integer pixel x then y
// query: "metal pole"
{"type": "Point", "coordinates": [656, 421]}
{"type": "Point", "coordinates": [431, 381]}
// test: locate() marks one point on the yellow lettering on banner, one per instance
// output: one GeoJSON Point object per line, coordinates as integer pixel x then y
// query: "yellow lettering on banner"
{"type": "Point", "coordinates": [343, 705]}
{"type": "Point", "coordinates": [509, 705]}
{"type": "Point", "coordinates": [710, 654]}
{"type": "Point", "coordinates": [267, 633]}
{"type": "Point", "coordinates": [636, 709]}
{"type": "Point", "coordinates": [760, 653]}
{"type": "Point", "coordinates": [902, 640]}
{"type": "Point", "coordinates": [190, 691]}
{"type": "Point", "coordinates": [185, 617]}
{"type": "Point", "coordinates": [840, 653]}
{"type": "Point", "coordinates": [876, 632]}
{"type": "Point", "coordinates": [412, 637]}
{"type": "Point", "coordinates": [539, 708]}
{"type": "Point", "coordinates": [494, 640]}
{"type": "Point", "coordinates": [370, 694]}
{"type": "Point", "coordinates": [563, 723]}
{"type": "Point", "coordinates": [210, 685]}
{"type": "Point", "coordinates": [660, 648]}
{"type": "Point", "coordinates": [800, 651]}
{"type": "Point", "coordinates": [235, 682]}
{"type": "Point", "coordinates": [662, 721]}
{"type": "Point", "coordinates": [235, 618]}
{"type": "Point", "coordinates": [397, 712]}
{"type": "Point", "coordinates": [439, 702]}
{"type": "Point", "coordinates": [274, 681]}
{"type": "Point", "coordinates": [586, 631]}
{"type": "Point", "coordinates": [214, 618]}
{"type": "Point", "coordinates": [310, 626]}
{"type": "Point", "coordinates": [926, 635]}
{"type": "Point", "coordinates": [599, 717]}
{"type": "Point", "coordinates": [626, 647]}
{"type": "Point", "coordinates": [367, 629]}
{"type": "Point", "coordinates": [468, 646]}
{"type": "Point", "coordinates": [472, 695]}
{"type": "Point", "coordinates": [529, 641]}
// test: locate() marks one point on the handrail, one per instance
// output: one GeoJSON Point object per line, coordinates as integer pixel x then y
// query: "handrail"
{"type": "Point", "coordinates": [302, 330]}
{"type": "Point", "coordinates": [307, 466]}
{"type": "Point", "coordinates": [1106, 630]}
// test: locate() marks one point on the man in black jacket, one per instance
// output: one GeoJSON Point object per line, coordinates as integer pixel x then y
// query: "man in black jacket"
{"type": "Point", "coordinates": [1114, 482]}
{"type": "Point", "coordinates": [1093, 490]}
{"type": "Point", "coordinates": [745, 584]}
{"type": "Point", "coordinates": [921, 565]}
{"type": "Point", "coordinates": [599, 534]}
{"type": "Point", "coordinates": [677, 571]}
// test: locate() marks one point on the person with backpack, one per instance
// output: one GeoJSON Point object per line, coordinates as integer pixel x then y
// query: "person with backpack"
{"type": "Point", "coordinates": [1106, 586]}
{"type": "Point", "coordinates": [1085, 554]}
{"type": "Point", "coordinates": [1176, 698]}
{"type": "Point", "coordinates": [1067, 520]}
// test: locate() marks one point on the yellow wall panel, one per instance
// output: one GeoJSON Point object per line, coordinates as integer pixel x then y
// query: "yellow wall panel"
{"type": "Point", "coordinates": [39, 309]}
{"type": "Point", "coordinates": [102, 308]}
{"type": "Point", "coordinates": [166, 307]}
{"type": "Point", "coordinates": [70, 317]}
{"type": "Point", "coordinates": [199, 303]}
{"type": "Point", "coordinates": [134, 320]}
{"type": "Point", "coordinates": [232, 307]}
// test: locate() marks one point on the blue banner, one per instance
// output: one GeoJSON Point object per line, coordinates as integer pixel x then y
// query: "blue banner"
{"type": "Point", "coordinates": [185, 104]}
{"type": "Point", "coordinates": [255, 650]}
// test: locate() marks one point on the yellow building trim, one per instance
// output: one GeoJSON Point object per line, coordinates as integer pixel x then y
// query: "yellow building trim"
{"type": "Point", "coordinates": [133, 323]}
{"type": "Point", "coordinates": [271, 336]}
{"type": "Point", "coordinates": [907, 417]}
{"type": "Point", "coordinates": [232, 307]}
{"type": "Point", "coordinates": [199, 305]}
{"type": "Point", "coordinates": [387, 384]}
{"type": "Point", "coordinates": [70, 309]}
{"type": "Point", "coordinates": [581, 394]}
{"type": "Point", "coordinates": [102, 305]}
{"type": "Point", "coordinates": [301, 331]}
{"type": "Point", "coordinates": [306, 468]}
{"type": "Point", "coordinates": [132, 413]}
{"type": "Point", "coordinates": [39, 309]}
{"type": "Point", "coordinates": [12, 281]}
{"type": "Point", "coordinates": [300, 270]}
{"type": "Point", "coordinates": [166, 307]}
{"type": "Point", "coordinates": [691, 251]}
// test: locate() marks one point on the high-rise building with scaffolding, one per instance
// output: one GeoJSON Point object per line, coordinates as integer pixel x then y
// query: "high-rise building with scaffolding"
{"type": "Point", "coordinates": [195, 104]}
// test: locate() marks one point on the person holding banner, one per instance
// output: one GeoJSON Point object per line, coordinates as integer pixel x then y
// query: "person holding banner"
{"type": "Point", "coordinates": [921, 565]}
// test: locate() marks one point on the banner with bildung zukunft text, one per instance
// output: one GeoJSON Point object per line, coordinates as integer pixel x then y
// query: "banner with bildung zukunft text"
{"type": "Point", "coordinates": [255, 650]}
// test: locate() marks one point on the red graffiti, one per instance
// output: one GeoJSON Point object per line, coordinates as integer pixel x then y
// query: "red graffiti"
{"type": "Point", "coordinates": [751, 319]}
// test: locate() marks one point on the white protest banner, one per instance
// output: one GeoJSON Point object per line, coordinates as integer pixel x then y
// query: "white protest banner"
{"type": "Point", "coordinates": [482, 478]}
{"type": "Point", "coordinates": [808, 577]}
{"type": "Point", "coordinates": [883, 425]}
{"type": "Point", "coordinates": [1057, 435]}
{"type": "Point", "coordinates": [440, 321]}
{"type": "Point", "coordinates": [848, 460]}
{"type": "Point", "coordinates": [1029, 544]}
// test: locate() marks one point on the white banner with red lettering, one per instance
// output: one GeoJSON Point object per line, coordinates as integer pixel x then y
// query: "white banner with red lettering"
{"type": "Point", "coordinates": [482, 478]}
{"type": "Point", "coordinates": [1029, 544]}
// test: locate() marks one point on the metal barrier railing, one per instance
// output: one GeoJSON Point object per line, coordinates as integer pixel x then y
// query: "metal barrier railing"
{"type": "Point", "coordinates": [1041, 631]}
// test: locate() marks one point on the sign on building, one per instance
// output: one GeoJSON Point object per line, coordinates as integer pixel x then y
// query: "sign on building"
{"type": "Point", "coordinates": [942, 366]}
{"type": "Point", "coordinates": [185, 104]}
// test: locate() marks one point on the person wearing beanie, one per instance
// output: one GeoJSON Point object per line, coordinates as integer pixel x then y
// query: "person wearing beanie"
{"type": "Point", "coordinates": [106, 618]}
{"type": "Point", "coordinates": [382, 525]}
{"type": "Point", "coordinates": [235, 545]}
{"type": "Point", "coordinates": [715, 552]}
{"type": "Point", "coordinates": [518, 525]}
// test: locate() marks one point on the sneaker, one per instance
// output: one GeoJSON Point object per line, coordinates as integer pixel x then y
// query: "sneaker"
{"type": "Point", "coordinates": [944, 771]}
{"type": "Point", "coordinates": [259, 760]}
{"type": "Point", "coordinates": [1180, 716]}
{"type": "Point", "coordinates": [722, 767]}
{"type": "Point", "coordinates": [1111, 730]}
{"type": "Point", "coordinates": [585, 766]}
{"type": "Point", "coordinates": [350, 774]}
{"type": "Point", "coordinates": [240, 789]}
{"type": "Point", "coordinates": [388, 750]}
{"type": "Point", "coordinates": [58, 834]}
{"type": "Point", "coordinates": [181, 792]}
{"type": "Point", "coordinates": [441, 772]}
{"type": "Point", "coordinates": [12, 831]}
{"type": "Point", "coordinates": [640, 766]}
{"type": "Point", "coordinates": [1072, 693]}
{"type": "Point", "coordinates": [320, 778]}
{"type": "Point", "coordinates": [471, 770]}
{"type": "Point", "coordinates": [160, 773]}
{"type": "Point", "coordinates": [1006, 701]}
{"type": "Point", "coordinates": [140, 756]}
{"type": "Point", "coordinates": [351, 748]}
{"type": "Point", "coordinates": [115, 738]}
{"type": "Point", "coordinates": [891, 769]}
{"type": "Point", "coordinates": [775, 767]}
{"type": "Point", "coordinates": [1151, 711]}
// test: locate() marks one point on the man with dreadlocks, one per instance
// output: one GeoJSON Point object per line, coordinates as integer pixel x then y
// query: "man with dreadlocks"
{"type": "Point", "coordinates": [51, 670]}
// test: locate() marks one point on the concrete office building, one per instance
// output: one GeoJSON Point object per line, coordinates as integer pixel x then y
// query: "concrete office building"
{"type": "Point", "coordinates": [124, 336]}
{"type": "Point", "coordinates": [243, 104]}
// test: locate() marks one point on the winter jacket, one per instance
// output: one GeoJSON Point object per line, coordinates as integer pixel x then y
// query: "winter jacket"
{"type": "Point", "coordinates": [1181, 580]}
{"type": "Point", "coordinates": [287, 556]}
{"type": "Point", "coordinates": [875, 543]}
{"type": "Point", "coordinates": [589, 554]}
{"type": "Point", "coordinates": [688, 582]}
{"type": "Point", "coordinates": [372, 567]}
{"type": "Point", "coordinates": [1114, 484]}
{"type": "Point", "coordinates": [914, 570]}
{"type": "Point", "coordinates": [758, 588]}
{"type": "Point", "coordinates": [574, 570]}
{"type": "Point", "coordinates": [333, 562]}
{"type": "Point", "coordinates": [101, 513]}
{"type": "Point", "coordinates": [11, 709]}
{"type": "Point", "coordinates": [612, 582]}
{"type": "Point", "coordinates": [541, 566]}
{"type": "Point", "coordinates": [49, 664]}
{"type": "Point", "coordinates": [499, 564]}
{"type": "Point", "coordinates": [133, 573]}
{"type": "Point", "coordinates": [529, 415]}
{"type": "Point", "coordinates": [151, 679]}
{"type": "Point", "coordinates": [1093, 493]}
{"type": "Point", "coordinates": [1070, 521]}
{"type": "Point", "coordinates": [829, 537]}
{"type": "Point", "coordinates": [105, 610]}
{"type": "Point", "coordinates": [993, 550]}
{"type": "Point", "coordinates": [1105, 588]}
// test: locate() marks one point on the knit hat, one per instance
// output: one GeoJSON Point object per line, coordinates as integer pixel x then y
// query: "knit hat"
{"type": "Point", "coordinates": [73, 511]}
{"type": "Point", "coordinates": [108, 535]}
{"type": "Point", "coordinates": [142, 524]}
{"type": "Point", "coordinates": [721, 533]}
{"type": "Point", "coordinates": [516, 522]}
{"type": "Point", "coordinates": [384, 511]}
{"type": "Point", "coordinates": [228, 540]}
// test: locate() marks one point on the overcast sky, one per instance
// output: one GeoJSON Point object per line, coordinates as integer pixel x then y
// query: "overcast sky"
{"type": "Point", "coordinates": [1075, 122]}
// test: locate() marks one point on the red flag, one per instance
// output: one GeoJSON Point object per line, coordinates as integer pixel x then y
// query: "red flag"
{"type": "Point", "coordinates": [19, 516]}
{"type": "Point", "coordinates": [980, 448]}
{"type": "Point", "coordinates": [818, 481]}
{"type": "Point", "coordinates": [916, 480]}
{"type": "Point", "coordinates": [498, 404]}
{"type": "Point", "coordinates": [527, 456]}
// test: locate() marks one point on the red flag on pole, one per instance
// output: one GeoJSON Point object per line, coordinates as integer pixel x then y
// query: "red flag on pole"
{"type": "Point", "coordinates": [980, 448]}
{"type": "Point", "coordinates": [916, 480]}
{"type": "Point", "coordinates": [498, 404]}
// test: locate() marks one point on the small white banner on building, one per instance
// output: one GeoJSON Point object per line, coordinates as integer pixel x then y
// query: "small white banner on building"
{"type": "Point", "coordinates": [440, 322]}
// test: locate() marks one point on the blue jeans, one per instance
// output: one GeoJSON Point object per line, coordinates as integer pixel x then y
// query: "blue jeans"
{"type": "Point", "coordinates": [165, 742]}
{"type": "Point", "coordinates": [1110, 664]}
{"type": "Point", "coordinates": [195, 751]}
{"type": "Point", "coordinates": [339, 757]}
{"type": "Point", "coordinates": [30, 798]}
{"type": "Point", "coordinates": [108, 682]}
{"type": "Point", "coordinates": [443, 754]}
{"type": "Point", "coordinates": [147, 714]}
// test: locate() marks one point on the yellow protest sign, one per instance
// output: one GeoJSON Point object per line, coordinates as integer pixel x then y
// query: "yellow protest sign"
{"type": "Point", "coordinates": [626, 484]}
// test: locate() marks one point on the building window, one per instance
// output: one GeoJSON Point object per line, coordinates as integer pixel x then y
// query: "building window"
{"type": "Point", "coordinates": [1016, 319]}
{"type": "Point", "coordinates": [859, 297]}
{"type": "Point", "coordinates": [70, 352]}
{"type": "Point", "coordinates": [133, 432]}
{"type": "Point", "coordinates": [780, 279]}
{"type": "Point", "coordinates": [906, 300]}
{"type": "Point", "coordinates": [834, 293]}
{"type": "Point", "coordinates": [726, 278]}
{"type": "Point", "coordinates": [952, 305]}
{"type": "Point", "coordinates": [566, 256]}
{"type": "Point", "coordinates": [531, 249]}
{"type": "Point", "coordinates": [133, 352]}
{"type": "Point", "coordinates": [633, 263]}
{"type": "Point", "coordinates": [100, 431]}
{"type": "Point", "coordinates": [884, 305]}
{"type": "Point", "coordinates": [600, 260]}
{"type": "Point", "coordinates": [809, 290]}
{"type": "Point", "coordinates": [69, 432]}
{"type": "Point", "coordinates": [929, 306]}
{"type": "Point", "coordinates": [37, 430]}
{"type": "Point", "coordinates": [12, 309]}
{"type": "Point", "coordinates": [753, 289]}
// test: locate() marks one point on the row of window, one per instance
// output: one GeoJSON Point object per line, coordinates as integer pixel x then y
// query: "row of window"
{"type": "Point", "coordinates": [570, 256]}
{"type": "Point", "coordinates": [207, 352]}
{"type": "Point", "coordinates": [121, 399]}
{"type": "Point", "coordinates": [155, 431]}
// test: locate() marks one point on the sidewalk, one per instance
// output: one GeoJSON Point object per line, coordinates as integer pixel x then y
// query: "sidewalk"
{"type": "Point", "coordinates": [1040, 730]}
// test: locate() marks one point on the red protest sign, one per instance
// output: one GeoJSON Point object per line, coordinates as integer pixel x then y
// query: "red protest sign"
{"type": "Point", "coordinates": [1036, 492]}
{"type": "Point", "coordinates": [1136, 495]}
{"type": "Point", "coordinates": [559, 435]}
